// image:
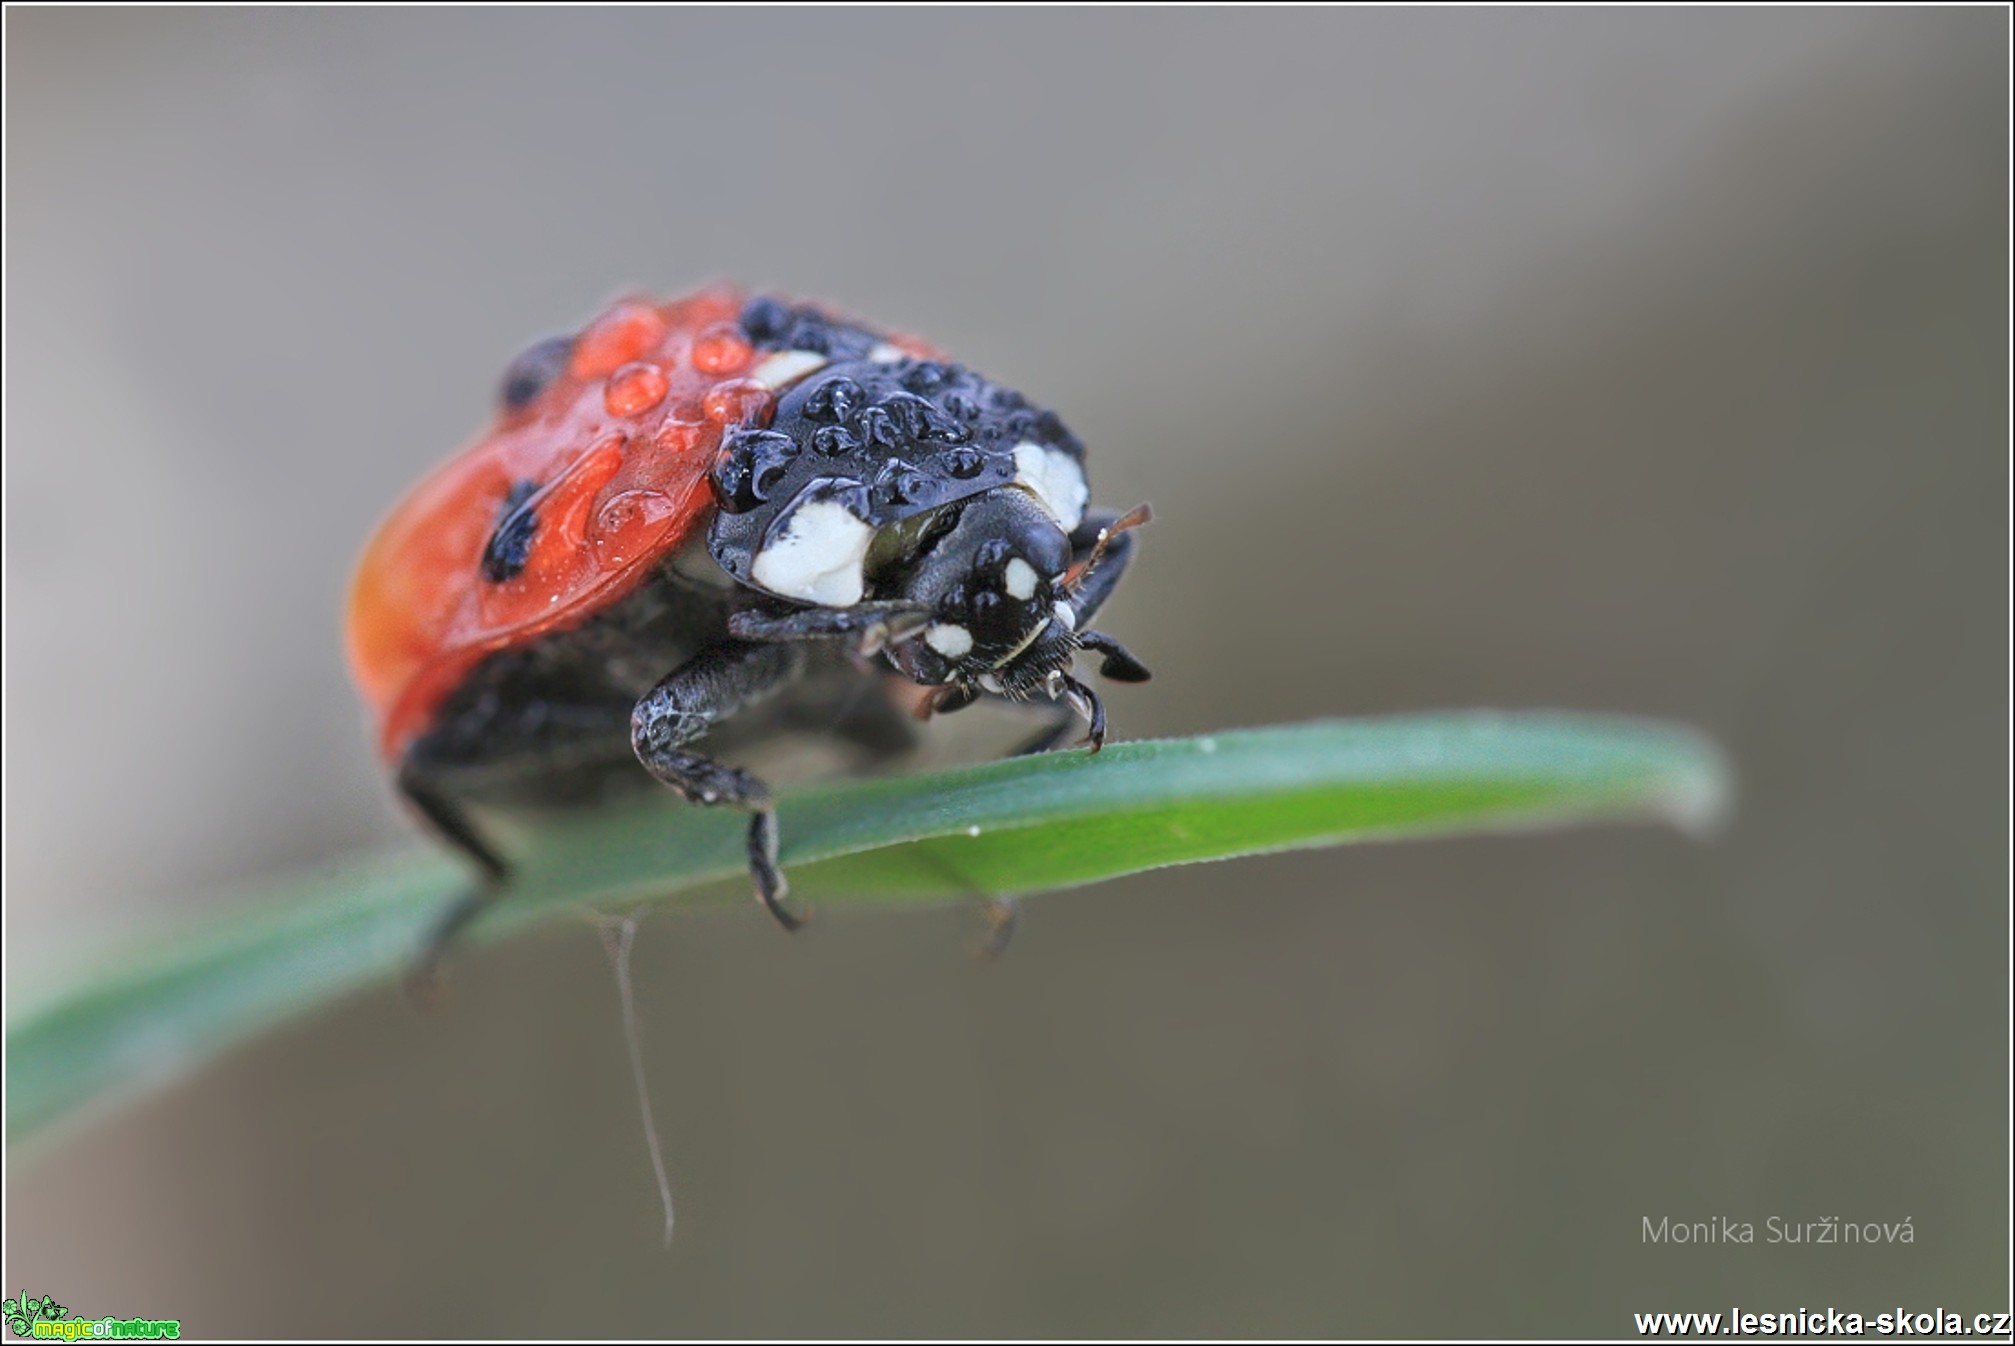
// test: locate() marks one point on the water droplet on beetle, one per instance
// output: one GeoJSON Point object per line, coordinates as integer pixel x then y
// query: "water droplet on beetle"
{"type": "Point", "coordinates": [627, 524]}
{"type": "Point", "coordinates": [627, 332]}
{"type": "Point", "coordinates": [739, 402]}
{"type": "Point", "coordinates": [721, 349]}
{"type": "Point", "coordinates": [681, 435]}
{"type": "Point", "coordinates": [634, 389]}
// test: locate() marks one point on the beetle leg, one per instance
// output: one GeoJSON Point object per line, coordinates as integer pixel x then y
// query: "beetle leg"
{"type": "Point", "coordinates": [870, 626]}
{"type": "Point", "coordinates": [1002, 916]}
{"type": "Point", "coordinates": [708, 688]}
{"type": "Point", "coordinates": [447, 818]}
{"type": "Point", "coordinates": [1119, 664]}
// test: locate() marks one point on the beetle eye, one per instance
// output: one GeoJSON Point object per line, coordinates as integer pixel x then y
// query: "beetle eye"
{"type": "Point", "coordinates": [533, 372]}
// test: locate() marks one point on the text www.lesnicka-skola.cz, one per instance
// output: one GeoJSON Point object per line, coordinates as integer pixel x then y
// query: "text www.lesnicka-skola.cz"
{"type": "Point", "coordinates": [1897, 1322]}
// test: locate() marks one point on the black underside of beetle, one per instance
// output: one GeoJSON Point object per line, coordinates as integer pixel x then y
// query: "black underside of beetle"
{"type": "Point", "coordinates": [613, 704]}
{"type": "Point", "coordinates": [548, 725]}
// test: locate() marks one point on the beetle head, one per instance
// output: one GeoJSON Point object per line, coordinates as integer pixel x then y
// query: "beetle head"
{"type": "Point", "coordinates": [994, 572]}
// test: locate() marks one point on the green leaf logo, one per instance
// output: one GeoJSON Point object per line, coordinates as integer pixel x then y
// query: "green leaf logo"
{"type": "Point", "coordinates": [22, 1312]}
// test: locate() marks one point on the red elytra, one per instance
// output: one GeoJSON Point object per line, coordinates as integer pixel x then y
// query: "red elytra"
{"type": "Point", "coordinates": [621, 439]}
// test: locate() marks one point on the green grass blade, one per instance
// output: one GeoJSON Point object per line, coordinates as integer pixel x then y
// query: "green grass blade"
{"type": "Point", "coordinates": [1016, 826]}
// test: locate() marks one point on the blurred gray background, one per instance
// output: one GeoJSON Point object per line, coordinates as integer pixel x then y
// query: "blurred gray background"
{"type": "Point", "coordinates": [1649, 362]}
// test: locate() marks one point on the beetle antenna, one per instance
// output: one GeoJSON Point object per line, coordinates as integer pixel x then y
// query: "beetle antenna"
{"type": "Point", "coordinates": [618, 936]}
{"type": "Point", "coordinates": [1133, 518]}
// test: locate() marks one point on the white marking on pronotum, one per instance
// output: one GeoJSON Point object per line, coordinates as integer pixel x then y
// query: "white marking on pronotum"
{"type": "Point", "coordinates": [953, 642]}
{"type": "Point", "coordinates": [1056, 479]}
{"type": "Point", "coordinates": [885, 354]}
{"type": "Point", "coordinates": [786, 367]}
{"type": "Point", "coordinates": [815, 550]}
{"type": "Point", "coordinates": [1066, 615]}
{"type": "Point", "coordinates": [1020, 579]}
{"type": "Point", "coordinates": [617, 937]}
{"type": "Point", "coordinates": [989, 682]}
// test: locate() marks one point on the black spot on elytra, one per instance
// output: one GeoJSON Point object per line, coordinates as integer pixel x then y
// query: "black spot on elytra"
{"type": "Point", "coordinates": [772, 325]}
{"type": "Point", "coordinates": [533, 372]}
{"type": "Point", "coordinates": [766, 319]}
{"type": "Point", "coordinates": [510, 545]}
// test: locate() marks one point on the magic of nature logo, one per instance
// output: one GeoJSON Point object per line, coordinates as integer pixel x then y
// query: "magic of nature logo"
{"type": "Point", "coordinates": [46, 1319]}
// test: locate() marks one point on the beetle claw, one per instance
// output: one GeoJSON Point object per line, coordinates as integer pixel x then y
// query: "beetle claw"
{"type": "Point", "coordinates": [1087, 704]}
{"type": "Point", "coordinates": [771, 887]}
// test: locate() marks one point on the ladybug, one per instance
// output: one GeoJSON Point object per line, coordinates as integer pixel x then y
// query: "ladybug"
{"type": "Point", "coordinates": [714, 520]}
